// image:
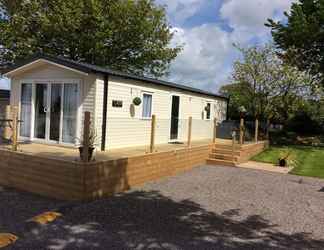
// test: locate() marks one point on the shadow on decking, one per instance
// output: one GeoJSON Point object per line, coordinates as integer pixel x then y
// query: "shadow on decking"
{"type": "Point", "coordinates": [141, 220]}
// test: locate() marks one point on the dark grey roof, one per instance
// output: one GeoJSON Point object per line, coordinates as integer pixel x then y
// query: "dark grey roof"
{"type": "Point", "coordinates": [89, 68]}
{"type": "Point", "coordinates": [4, 94]}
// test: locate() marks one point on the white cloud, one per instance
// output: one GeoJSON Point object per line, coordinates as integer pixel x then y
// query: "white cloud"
{"type": "Point", "coordinates": [203, 60]}
{"type": "Point", "coordinates": [249, 16]}
{"type": "Point", "coordinates": [206, 61]}
{"type": "Point", "coordinates": [180, 10]}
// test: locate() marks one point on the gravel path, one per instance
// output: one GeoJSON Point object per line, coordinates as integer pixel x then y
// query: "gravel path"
{"type": "Point", "coordinates": [206, 208]}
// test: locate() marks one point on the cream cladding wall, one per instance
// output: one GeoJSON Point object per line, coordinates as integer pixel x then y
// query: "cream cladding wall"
{"type": "Point", "coordinates": [126, 127]}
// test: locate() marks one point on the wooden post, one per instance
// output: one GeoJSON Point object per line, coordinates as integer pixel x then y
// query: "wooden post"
{"type": "Point", "coordinates": [86, 134]}
{"type": "Point", "coordinates": [242, 131]}
{"type": "Point", "coordinates": [256, 130]}
{"type": "Point", "coordinates": [153, 125]}
{"type": "Point", "coordinates": [215, 131]}
{"type": "Point", "coordinates": [7, 132]}
{"type": "Point", "coordinates": [189, 131]}
{"type": "Point", "coordinates": [15, 128]}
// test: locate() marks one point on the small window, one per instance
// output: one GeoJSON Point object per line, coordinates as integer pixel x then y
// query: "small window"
{"type": "Point", "coordinates": [208, 107]}
{"type": "Point", "coordinates": [147, 105]}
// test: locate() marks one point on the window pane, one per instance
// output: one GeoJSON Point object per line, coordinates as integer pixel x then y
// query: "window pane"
{"type": "Point", "coordinates": [208, 111]}
{"type": "Point", "coordinates": [40, 111]}
{"type": "Point", "coordinates": [25, 114]}
{"type": "Point", "coordinates": [70, 107]}
{"type": "Point", "coordinates": [55, 115]}
{"type": "Point", "coordinates": [147, 105]}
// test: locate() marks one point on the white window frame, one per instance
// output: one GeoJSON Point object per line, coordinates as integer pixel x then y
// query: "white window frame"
{"type": "Point", "coordinates": [152, 106]}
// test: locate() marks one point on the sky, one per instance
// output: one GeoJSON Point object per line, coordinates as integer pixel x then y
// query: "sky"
{"type": "Point", "coordinates": [207, 30]}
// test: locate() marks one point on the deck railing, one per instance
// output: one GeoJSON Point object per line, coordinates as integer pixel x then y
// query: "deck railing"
{"type": "Point", "coordinates": [241, 131]}
{"type": "Point", "coordinates": [153, 131]}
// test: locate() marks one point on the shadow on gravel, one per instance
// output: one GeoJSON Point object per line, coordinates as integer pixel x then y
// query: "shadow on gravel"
{"type": "Point", "coordinates": [16, 207]}
{"type": "Point", "coordinates": [141, 220]}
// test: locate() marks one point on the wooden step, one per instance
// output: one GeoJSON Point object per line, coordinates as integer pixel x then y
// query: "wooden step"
{"type": "Point", "coordinates": [220, 162]}
{"type": "Point", "coordinates": [227, 147]}
{"type": "Point", "coordinates": [226, 152]}
{"type": "Point", "coordinates": [224, 157]}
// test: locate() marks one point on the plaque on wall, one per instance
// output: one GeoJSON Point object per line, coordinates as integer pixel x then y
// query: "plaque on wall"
{"type": "Point", "coordinates": [117, 104]}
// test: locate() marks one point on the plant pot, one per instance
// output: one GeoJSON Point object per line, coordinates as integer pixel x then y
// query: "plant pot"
{"type": "Point", "coordinates": [282, 163]}
{"type": "Point", "coordinates": [90, 153]}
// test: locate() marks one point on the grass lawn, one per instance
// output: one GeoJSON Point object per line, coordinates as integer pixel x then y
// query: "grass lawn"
{"type": "Point", "coordinates": [310, 159]}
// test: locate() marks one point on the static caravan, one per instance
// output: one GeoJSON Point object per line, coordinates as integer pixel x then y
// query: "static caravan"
{"type": "Point", "coordinates": [53, 93]}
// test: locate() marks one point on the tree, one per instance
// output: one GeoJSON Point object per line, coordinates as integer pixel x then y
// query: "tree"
{"type": "Point", "coordinates": [301, 39]}
{"type": "Point", "coordinates": [131, 36]}
{"type": "Point", "coordinates": [239, 94]}
{"type": "Point", "coordinates": [266, 86]}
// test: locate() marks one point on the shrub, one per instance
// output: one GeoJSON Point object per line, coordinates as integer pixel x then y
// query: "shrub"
{"type": "Point", "coordinates": [303, 124]}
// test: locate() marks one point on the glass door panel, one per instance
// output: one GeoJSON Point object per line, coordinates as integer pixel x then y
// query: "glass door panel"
{"type": "Point", "coordinates": [55, 114]}
{"type": "Point", "coordinates": [40, 111]}
{"type": "Point", "coordinates": [26, 109]}
{"type": "Point", "coordinates": [175, 117]}
{"type": "Point", "coordinates": [70, 107]}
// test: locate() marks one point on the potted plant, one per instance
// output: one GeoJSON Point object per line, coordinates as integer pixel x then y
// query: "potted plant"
{"type": "Point", "coordinates": [92, 145]}
{"type": "Point", "coordinates": [137, 101]}
{"type": "Point", "coordinates": [287, 159]}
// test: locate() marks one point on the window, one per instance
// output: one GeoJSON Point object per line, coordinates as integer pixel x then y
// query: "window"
{"type": "Point", "coordinates": [147, 105]}
{"type": "Point", "coordinates": [208, 107]}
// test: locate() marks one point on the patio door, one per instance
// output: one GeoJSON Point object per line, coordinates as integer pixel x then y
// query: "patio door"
{"type": "Point", "coordinates": [55, 112]}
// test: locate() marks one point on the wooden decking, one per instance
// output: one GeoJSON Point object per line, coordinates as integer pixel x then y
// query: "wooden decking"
{"type": "Point", "coordinates": [72, 154]}
{"type": "Point", "coordinates": [56, 171]}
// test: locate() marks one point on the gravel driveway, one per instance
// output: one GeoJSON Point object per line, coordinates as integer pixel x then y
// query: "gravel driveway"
{"type": "Point", "coordinates": [206, 208]}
